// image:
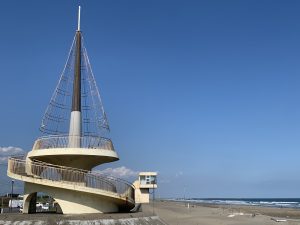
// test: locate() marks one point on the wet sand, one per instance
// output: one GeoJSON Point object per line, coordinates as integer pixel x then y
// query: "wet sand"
{"type": "Point", "coordinates": [177, 213]}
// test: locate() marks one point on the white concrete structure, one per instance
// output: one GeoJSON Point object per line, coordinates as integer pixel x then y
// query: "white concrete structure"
{"type": "Point", "coordinates": [61, 163]}
{"type": "Point", "coordinates": [146, 181]}
{"type": "Point", "coordinates": [75, 129]}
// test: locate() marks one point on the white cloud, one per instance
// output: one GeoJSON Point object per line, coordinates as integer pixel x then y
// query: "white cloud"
{"type": "Point", "coordinates": [179, 174]}
{"type": "Point", "coordinates": [5, 152]}
{"type": "Point", "coordinates": [121, 172]}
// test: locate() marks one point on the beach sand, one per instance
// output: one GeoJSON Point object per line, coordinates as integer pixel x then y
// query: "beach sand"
{"type": "Point", "coordinates": [170, 212]}
{"type": "Point", "coordinates": [177, 213]}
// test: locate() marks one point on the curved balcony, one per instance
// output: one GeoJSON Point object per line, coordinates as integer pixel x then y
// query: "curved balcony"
{"type": "Point", "coordinates": [59, 141]}
{"type": "Point", "coordinates": [59, 150]}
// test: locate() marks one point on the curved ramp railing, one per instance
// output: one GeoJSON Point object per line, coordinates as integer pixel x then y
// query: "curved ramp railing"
{"type": "Point", "coordinates": [71, 176]}
{"type": "Point", "coordinates": [62, 141]}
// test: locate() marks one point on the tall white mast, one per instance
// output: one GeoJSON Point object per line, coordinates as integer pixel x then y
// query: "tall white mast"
{"type": "Point", "coordinates": [75, 120]}
{"type": "Point", "coordinates": [78, 26]}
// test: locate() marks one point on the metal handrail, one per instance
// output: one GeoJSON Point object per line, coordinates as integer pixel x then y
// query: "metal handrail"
{"type": "Point", "coordinates": [72, 176]}
{"type": "Point", "coordinates": [62, 141]}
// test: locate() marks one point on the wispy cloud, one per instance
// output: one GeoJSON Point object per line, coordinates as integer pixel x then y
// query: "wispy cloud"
{"type": "Point", "coordinates": [5, 152]}
{"type": "Point", "coordinates": [179, 174]}
{"type": "Point", "coordinates": [121, 172]}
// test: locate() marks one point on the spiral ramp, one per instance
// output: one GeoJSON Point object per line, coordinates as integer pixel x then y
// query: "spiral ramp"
{"type": "Point", "coordinates": [75, 190]}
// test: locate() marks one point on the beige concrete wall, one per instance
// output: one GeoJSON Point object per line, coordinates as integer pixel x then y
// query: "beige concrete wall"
{"type": "Point", "coordinates": [71, 202]}
{"type": "Point", "coordinates": [141, 194]}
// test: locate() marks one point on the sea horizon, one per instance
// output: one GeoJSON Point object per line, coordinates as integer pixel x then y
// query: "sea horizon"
{"type": "Point", "coordinates": [264, 202]}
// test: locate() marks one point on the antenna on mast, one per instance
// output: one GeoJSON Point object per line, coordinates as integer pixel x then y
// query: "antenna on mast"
{"type": "Point", "coordinates": [78, 27]}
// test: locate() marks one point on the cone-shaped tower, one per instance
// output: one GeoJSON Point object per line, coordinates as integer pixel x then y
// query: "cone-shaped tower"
{"type": "Point", "coordinates": [76, 140]}
{"type": "Point", "coordinates": [75, 123]}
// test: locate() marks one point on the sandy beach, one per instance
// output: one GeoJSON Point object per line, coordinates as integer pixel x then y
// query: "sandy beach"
{"type": "Point", "coordinates": [169, 213]}
{"type": "Point", "coordinates": [177, 213]}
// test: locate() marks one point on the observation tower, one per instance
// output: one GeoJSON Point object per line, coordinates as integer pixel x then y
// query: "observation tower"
{"type": "Point", "coordinates": [75, 140]}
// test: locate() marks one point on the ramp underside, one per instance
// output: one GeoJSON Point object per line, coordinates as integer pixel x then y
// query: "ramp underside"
{"type": "Point", "coordinates": [80, 158]}
{"type": "Point", "coordinates": [71, 201]}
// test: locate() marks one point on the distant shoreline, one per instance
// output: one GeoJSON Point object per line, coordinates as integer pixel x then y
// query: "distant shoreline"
{"type": "Point", "coordinates": [259, 202]}
{"type": "Point", "coordinates": [282, 212]}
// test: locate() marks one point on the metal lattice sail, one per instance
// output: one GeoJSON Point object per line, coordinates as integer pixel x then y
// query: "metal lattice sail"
{"type": "Point", "coordinates": [76, 91]}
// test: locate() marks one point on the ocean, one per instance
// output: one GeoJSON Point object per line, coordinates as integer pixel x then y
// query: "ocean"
{"type": "Point", "coordinates": [265, 202]}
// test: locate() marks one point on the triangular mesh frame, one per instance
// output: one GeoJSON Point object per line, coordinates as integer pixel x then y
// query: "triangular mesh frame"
{"type": "Point", "coordinates": [56, 120]}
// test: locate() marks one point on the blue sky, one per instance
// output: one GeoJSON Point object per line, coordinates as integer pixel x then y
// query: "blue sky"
{"type": "Point", "coordinates": [204, 92]}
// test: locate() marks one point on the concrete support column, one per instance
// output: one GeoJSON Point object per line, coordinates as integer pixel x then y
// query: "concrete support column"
{"type": "Point", "coordinates": [29, 200]}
